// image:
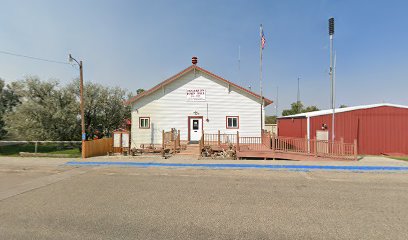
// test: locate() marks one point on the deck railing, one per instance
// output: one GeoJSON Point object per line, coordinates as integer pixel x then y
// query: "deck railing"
{"type": "Point", "coordinates": [336, 149]}
{"type": "Point", "coordinates": [296, 145]}
{"type": "Point", "coordinates": [252, 144]}
{"type": "Point", "coordinates": [311, 147]}
{"type": "Point", "coordinates": [219, 139]}
{"type": "Point", "coordinates": [171, 140]}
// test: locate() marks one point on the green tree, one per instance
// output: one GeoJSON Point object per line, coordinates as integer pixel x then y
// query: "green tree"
{"type": "Point", "coordinates": [8, 100]}
{"type": "Point", "coordinates": [343, 106]}
{"type": "Point", "coordinates": [46, 112]}
{"type": "Point", "coordinates": [297, 107]}
{"type": "Point", "coordinates": [270, 119]}
{"type": "Point", "coordinates": [105, 110]}
{"type": "Point", "coordinates": [310, 109]}
{"type": "Point", "coordinates": [51, 112]}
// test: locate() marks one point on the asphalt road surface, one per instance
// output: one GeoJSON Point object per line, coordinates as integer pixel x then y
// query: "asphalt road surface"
{"type": "Point", "coordinates": [59, 202]}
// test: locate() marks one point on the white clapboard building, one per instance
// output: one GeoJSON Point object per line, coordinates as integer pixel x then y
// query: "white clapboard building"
{"type": "Point", "coordinates": [191, 101]}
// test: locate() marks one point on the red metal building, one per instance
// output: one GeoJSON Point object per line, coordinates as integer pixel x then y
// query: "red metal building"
{"type": "Point", "coordinates": [378, 128]}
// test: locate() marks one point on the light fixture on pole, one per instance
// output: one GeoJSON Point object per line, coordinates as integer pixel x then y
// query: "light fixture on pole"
{"type": "Point", "coordinates": [331, 35]}
{"type": "Point", "coordinates": [261, 47]}
{"type": "Point", "coordinates": [81, 93]}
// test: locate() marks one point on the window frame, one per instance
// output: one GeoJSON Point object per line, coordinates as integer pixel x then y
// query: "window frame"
{"type": "Point", "coordinates": [226, 122]}
{"type": "Point", "coordinates": [140, 122]}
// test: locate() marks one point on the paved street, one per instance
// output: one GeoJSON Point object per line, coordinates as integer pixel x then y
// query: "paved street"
{"type": "Point", "coordinates": [65, 202]}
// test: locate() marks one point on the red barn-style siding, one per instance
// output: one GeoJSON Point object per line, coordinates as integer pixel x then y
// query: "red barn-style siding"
{"type": "Point", "coordinates": [378, 130]}
{"type": "Point", "coordinates": [295, 127]}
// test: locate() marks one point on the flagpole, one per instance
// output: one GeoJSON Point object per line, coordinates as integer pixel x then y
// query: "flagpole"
{"type": "Point", "coordinates": [277, 101]}
{"type": "Point", "coordinates": [239, 64]}
{"type": "Point", "coordinates": [260, 74]}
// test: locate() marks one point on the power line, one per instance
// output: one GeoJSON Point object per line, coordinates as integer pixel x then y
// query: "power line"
{"type": "Point", "coordinates": [34, 58]}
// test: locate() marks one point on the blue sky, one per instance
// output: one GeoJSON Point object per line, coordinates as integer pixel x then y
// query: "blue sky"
{"type": "Point", "coordinates": [136, 44]}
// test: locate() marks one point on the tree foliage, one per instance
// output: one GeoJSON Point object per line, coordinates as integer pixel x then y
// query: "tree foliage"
{"type": "Point", "coordinates": [8, 100]}
{"type": "Point", "coordinates": [270, 119]}
{"type": "Point", "coordinates": [49, 111]}
{"type": "Point", "coordinates": [310, 109]}
{"type": "Point", "coordinates": [104, 108]}
{"type": "Point", "coordinates": [46, 112]}
{"type": "Point", "coordinates": [297, 107]}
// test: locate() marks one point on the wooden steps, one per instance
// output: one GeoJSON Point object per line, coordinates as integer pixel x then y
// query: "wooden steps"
{"type": "Point", "coordinates": [191, 150]}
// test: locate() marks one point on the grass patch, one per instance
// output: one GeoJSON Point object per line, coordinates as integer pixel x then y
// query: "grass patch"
{"type": "Point", "coordinates": [400, 158]}
{"type": "Point", "coordinates": [14, 150]}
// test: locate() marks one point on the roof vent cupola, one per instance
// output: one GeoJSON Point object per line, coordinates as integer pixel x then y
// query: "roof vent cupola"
{"type": "Point", "coordinates": [194, 60]}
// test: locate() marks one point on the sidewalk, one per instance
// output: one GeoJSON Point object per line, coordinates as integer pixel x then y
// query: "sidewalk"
{"type": "Point", "coordinates": [367, 161]}
{"type": "Point", "coordinates": [377, 163]}
{"type": "Point", "coordinates": [374, 164]}
{"type": "Point", "coordinates": [33, 161]}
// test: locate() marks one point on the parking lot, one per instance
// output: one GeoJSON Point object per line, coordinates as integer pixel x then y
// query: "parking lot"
{"type": "Point", "coordinates": [50, 200]}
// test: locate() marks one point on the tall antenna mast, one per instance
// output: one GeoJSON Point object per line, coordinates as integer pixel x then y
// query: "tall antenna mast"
{"type": "Point", "coordinates": [239, 57]}
{"type": "Point", "coordinates": [298, 89]}
{"type": "Point", "coordinates": [331, 35]}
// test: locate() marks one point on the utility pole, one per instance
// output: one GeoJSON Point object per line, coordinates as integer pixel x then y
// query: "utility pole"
{"type": "Point", "coordinates": [331, 35]}
{"type": "Point", "coordinates": [81, 93]}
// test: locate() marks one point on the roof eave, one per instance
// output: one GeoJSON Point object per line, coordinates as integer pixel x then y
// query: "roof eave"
{"type": "Point", "coordinates": [171, 79]}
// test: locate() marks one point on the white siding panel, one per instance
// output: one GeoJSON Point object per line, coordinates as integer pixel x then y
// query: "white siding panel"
{"type": "Point", "coordinates": [168, 108]}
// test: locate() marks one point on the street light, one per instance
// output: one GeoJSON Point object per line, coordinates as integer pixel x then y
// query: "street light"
{"type": "Point", "coordinates": [331, 34]}
{"type": "Point", "coordinates": [81, 90]}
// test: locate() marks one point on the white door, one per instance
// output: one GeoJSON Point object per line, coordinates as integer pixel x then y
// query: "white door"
{"type": "Point", "coordinates": [196, 129]}
{"type": "Point", "coordinates": [125, 140]}
{"type": "Point", "coordinates": [322, 141]}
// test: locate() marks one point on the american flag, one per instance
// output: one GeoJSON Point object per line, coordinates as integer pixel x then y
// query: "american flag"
{"type": "Point", "coordinates": [263, 40]}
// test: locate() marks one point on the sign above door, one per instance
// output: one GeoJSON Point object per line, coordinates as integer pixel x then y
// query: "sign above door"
{"type": "Point", "coordinates": [195, 95]}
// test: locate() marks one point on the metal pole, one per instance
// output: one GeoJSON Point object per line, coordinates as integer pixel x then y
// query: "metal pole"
{"type": "Point", "coordinates": [332, 84]}
{"type": "Point", "coordinates": [81, 89]}
{"type": "Point", "coordinates": [277, 101]}
{"type": "Point", "coordinates": [260, 74]}
{"type": "Point", "coordinates": [331, 33]}
{"type": "Point", "coordinates": [334, 93]}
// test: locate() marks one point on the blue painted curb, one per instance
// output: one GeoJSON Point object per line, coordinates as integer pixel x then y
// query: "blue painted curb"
{"type": "Point", "coordinates": [242, 166]}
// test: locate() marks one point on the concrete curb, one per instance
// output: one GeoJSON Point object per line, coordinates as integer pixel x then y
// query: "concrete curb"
{"type": "Point", "coordinates": [248, 166]}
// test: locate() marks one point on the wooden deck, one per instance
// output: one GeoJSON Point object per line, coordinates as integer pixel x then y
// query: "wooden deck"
{"type": "Point", "coordinates": [274, 147]}
{"type": "Point", "coordinates": [270, 154]}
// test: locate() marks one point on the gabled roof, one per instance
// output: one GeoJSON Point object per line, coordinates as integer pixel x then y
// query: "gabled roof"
{"type": "Point", "coordinates": [339, 110]}
{"type": "Point", "coordinates": [185, 71]}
